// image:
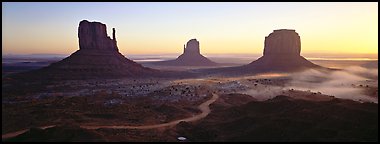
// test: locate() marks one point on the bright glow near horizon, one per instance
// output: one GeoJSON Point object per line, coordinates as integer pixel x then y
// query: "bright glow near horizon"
{"type": "Point", "coordinates": [158, 28]}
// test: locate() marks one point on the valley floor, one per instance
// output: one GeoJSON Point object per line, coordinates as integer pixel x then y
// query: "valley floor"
{"type": "Point", "coordinates": [305, 106]}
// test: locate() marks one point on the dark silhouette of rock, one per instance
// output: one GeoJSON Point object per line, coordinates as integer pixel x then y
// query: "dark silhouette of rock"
{"type": "Point", "coordinates": [282, 42]}
{"type": "Point", "coordinates": [281, 53]}
{"type": "Point", "coordinates": [98, 57]}
{"type": "Point", "coordinates": [93, 35]}
{"type": "Point", "coordinates": [192, 47]}
{"type": "Point", "coordinates": [191, 57]}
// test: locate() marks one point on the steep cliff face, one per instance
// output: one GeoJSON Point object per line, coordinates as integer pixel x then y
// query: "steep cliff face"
{"type": "Point", "coordinates": [191, 57]}
{"type": "Point", "coordinates": [93, 35]}
{"type": "Point", "coordinates": [98, 57]}
{"type": "Point", "coordinates": [282, 42]}
{"type": "Point", "coordinates": [192, 47]}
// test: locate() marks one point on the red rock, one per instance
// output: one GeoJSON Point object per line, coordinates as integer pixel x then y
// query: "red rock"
{"type": "Point", "coordinates": [282, 42]}
{"type": "Point", "coordinates": [93, 35]}
{"type": "Point", "coordinates": [192, 47]}
{"type": "Point", "coordinates": [281, 54]}
{"type": "Point", "coordinates": [98, 57]}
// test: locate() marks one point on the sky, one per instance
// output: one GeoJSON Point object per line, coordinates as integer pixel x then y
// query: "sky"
{"type": "Point", "coordinates": [164, 27]}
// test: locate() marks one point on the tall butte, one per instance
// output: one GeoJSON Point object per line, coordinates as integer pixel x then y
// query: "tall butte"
{"type": "Point", "coordinates": [282, 53]}
{"type": "Point", "coordinates": [191, 57]}
{"type": "Point", "coordinates": [98, 57]}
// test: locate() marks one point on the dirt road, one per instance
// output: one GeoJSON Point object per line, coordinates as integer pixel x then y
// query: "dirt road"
{"type": "Point", "coordinates": [204, 107]}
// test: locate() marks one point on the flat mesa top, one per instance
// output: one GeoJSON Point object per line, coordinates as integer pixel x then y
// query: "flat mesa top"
{"type": "Point", "coordinates": [86, 21]}
{"type": "Point", "coordinates": [284, 30]}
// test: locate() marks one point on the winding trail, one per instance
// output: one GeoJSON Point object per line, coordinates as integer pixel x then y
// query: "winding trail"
{"type": "Point", "coordinates": [13, 134]}
{"type": "Point", "coordinates": [204, 107]}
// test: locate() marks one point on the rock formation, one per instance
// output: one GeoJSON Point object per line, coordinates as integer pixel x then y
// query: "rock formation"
{"type": "Point", "coordinates": [281, 53]}
{"type": "Point", "coordinates": [191, 57]}
{"type": "Point", "coordinates": [192, 48]}
{"type": "Point", "coordinates": [282, 50]}
{"type": "Point", "coordinates": [93, 35]}
{"type": "Point", "coordinates": [282, 42]}
{"type": "Point", "coordinates": [98, 57]}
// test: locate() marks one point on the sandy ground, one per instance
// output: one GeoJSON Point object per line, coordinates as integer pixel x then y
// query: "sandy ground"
{"type": "Point", "coordinates": [204, 108]}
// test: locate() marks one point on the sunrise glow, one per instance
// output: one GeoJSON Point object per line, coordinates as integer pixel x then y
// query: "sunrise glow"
{"type": "Point", "coordinates": [158, 28]}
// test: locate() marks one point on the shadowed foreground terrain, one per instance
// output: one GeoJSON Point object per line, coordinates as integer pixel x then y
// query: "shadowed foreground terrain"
{"type": "Point", "coordinates": [286, 119]}
{"type": "Point", "coordinates": [237, 117]}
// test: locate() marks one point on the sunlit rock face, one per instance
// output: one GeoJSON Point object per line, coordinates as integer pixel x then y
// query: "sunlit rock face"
{"type": "Point", "coordinates": [191, 57]}
{"type": "Point", "coordinates": [282, 51]}
{"type": "Point", "coordinates": [98, 57]}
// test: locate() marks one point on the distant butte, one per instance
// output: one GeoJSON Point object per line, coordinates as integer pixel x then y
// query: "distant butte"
{"type": "Point", "coordinates": [98, 57]}
{"type": "Point", "coordinates": [191, 57]}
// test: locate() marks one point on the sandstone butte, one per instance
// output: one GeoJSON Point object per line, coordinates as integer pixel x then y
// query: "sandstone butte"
{"type": "Point", "coordinates": [282, 52]}
{"type": "Point", "coordinates": [98, 57]}
{"type": "Point", "coordinates": [191, 57]}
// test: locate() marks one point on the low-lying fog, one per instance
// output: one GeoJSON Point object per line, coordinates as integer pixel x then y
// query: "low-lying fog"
{"type": "Point", "coordinates": [348, 83]}
{"type": "Point", "coordinates": [341, 84]}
